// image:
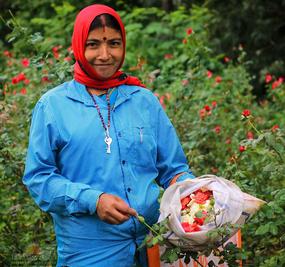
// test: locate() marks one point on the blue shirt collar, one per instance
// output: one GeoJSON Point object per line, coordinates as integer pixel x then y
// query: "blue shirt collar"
{"type": "Point", "coordinates": [77, 91]}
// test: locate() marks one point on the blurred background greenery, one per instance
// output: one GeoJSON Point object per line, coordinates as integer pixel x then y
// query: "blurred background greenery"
{"type": "Point", "coordinates": [207, 61]}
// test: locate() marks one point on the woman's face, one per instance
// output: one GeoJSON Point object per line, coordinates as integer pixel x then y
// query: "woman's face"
{"type": "Point", "coordinates": [104, 51]}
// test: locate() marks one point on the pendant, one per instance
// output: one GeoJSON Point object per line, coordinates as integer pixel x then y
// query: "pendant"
{"type": "Point", "coordinates": [108, 141]}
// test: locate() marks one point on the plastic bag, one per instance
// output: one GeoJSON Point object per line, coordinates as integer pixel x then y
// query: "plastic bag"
{"type": "Point", "coordinates": [231, 206]}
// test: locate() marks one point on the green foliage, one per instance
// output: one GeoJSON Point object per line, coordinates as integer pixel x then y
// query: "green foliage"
{"type": "Point", "coordinates": [204, 96]}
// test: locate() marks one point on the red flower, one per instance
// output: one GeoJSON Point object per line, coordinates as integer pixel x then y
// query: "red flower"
{"type": "Point", "coordinates": [15, 80]}
{"type": "Point", "coordinates": [214, 104]}
{"type": "Point", "coordinates": [45, 79]}
{"type": "Point", "coordinates": [228, 141]}
{"type": "Point", "coordinates": [268, 78]}
{"type": "Point", "coordinates": [277, 83]}
{"type": "Point", "coordinates": [67, 59]}
{"type": "Point", "coordinates": [7, 53]}
{"type": "Point", "coordinates": [189, 31]}
{"type": "Point", "coordinates": [242, 148]}
{"type": "Point", "coordinates": [202, 113]}
{"type": "Point", "coordinates": [275, 128]}
{"type": "Point", "coordinates": [226, 59]}
{"type": "Point", "coordinates": [199, 221]}
{"type": "Point", "coordinates": [26, 81]}
{"type": "Point", "coordinates": [218, 79]}
{"type": "Point", "coordinates": [207, 107]}
{"type": "Point", "coordinates": [25, 62]}
{"type": "Point", "coordinates": [218, 129]}
{"type": "Point", "coordinates": [185, 82]}
{"type": "Point", "coordinates": [168, 96]}
{"type": "Point", "coordinates": [246, 113]}
{"type": "Point", "coordinates": [168, 56]}
{"type": "Point", "coordinates": [184, 201]}
{"type": "Point", "coordinates": [184, 41]}
{"type": "Point", "coordinates": [20, 77]}
{"type": "Point", "coordinates": [249, 135]}
{"type": "Point", "coordinates": [23, 91]}
{"type": "Point", "coordinates": [188, 228]}
{"type": "Point", "coordinates": [161, 100]}
{"type": "Point", "coordinates": [55, 51]}
{"type": "Point", "coordinates": [209, 74]}
{"type": "Point", "coordinates": [201, 197]}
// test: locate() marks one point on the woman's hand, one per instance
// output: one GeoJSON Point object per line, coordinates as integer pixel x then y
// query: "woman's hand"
{"type": "Point", "coordinates": [113, 209]}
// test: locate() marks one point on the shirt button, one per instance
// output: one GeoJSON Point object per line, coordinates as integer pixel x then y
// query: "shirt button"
{"type": "Point", "coordinates": [123, 162]}
{"type": "Point", "coordinates": [129, 189]}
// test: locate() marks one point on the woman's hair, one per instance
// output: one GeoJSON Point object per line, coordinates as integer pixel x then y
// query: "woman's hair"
{"type": "Point", "coordinates": [105, 20]}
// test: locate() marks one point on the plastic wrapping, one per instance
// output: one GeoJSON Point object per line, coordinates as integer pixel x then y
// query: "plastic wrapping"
{"type": "Point", "coordinates": [231, 206]}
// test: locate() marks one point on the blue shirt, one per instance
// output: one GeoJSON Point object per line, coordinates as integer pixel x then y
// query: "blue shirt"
{"type": "Point", "coordinates": [67, 168]}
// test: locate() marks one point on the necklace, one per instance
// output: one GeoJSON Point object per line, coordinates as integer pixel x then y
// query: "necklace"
{"type": "Point", "coordinates": [107, 139]}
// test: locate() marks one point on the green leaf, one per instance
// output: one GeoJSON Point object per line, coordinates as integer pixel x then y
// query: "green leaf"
{"type": "Point", "coordinates": [263, 229]}
{"type": "Point", "coordinates": [199, 214]}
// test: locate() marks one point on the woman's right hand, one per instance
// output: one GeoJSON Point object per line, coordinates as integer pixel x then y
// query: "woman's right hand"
{"type": "Point", "coordinates": [113, 209]}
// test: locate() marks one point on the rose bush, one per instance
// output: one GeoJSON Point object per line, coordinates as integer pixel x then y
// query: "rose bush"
{"type": "Point", "coordinates": [222, 127]}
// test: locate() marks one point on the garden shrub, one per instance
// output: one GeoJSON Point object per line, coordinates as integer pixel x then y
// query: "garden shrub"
{"type": "Point", "coordinates": [223, 128]}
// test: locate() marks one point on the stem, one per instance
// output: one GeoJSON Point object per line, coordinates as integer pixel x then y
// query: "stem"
{"type": "Point", "coordinates": [253, 127]}
{"type": "Point", "coordinates": [142, 220]}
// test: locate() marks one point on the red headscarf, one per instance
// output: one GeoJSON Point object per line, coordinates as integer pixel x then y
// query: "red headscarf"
{"type": "Point", "coordinates": [83, 71]}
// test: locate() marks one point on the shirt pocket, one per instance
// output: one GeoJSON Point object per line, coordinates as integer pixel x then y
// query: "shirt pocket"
{"type": "Point", "coordinates": [143, 149]}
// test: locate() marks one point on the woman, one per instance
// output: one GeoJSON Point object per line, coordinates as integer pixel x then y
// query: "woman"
{"type": "Point", "coordinates": [100, 146]}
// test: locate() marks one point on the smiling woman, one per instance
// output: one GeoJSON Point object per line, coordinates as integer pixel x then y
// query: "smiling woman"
{"type": "Point", "coordinates": [104, 51]}
{"type": "Point", "coordinates": [104, 46]}
{"type": "Point", "coordinates": [100, 146]}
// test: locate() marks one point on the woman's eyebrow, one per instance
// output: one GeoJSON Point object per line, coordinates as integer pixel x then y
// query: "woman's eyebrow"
{"type": "Point", "coordinates": [98, 40]}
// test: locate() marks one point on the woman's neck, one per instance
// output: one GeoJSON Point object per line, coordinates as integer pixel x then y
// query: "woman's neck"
{"type": "Point", "coordinates": [94, 91]}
